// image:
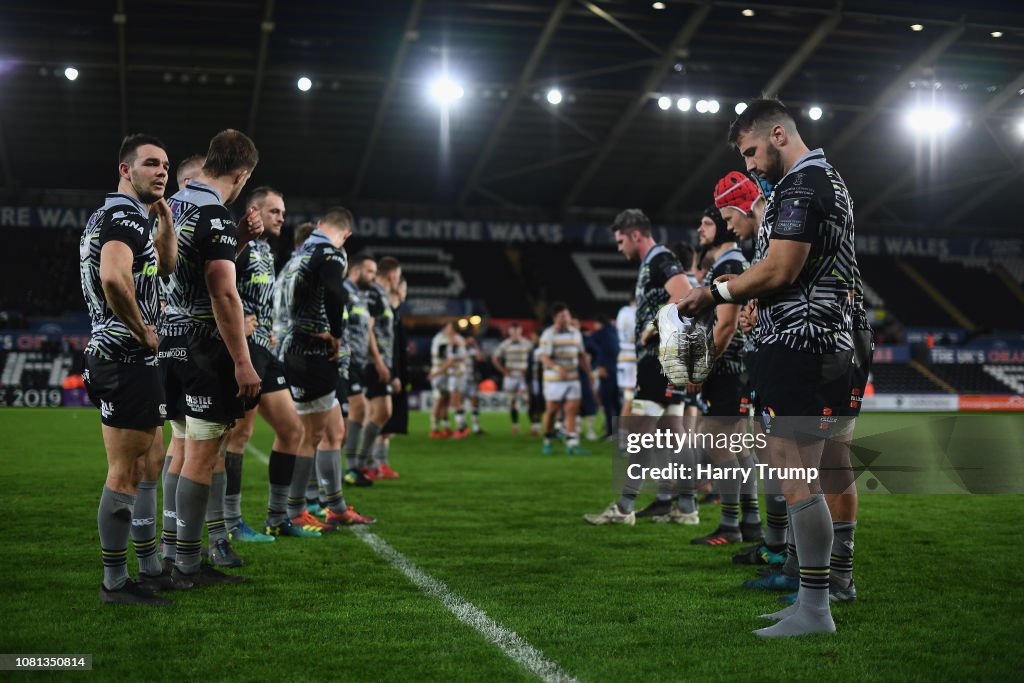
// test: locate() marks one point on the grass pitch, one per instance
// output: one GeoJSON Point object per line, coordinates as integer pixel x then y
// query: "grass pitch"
{"type": "Point", "coordinates": [939, 578]}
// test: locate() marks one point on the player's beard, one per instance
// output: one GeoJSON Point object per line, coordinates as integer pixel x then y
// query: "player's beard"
{"type": "Point", "coordinates": [146, 196]}
{"type": "Point", "coordinates": [773, 174]}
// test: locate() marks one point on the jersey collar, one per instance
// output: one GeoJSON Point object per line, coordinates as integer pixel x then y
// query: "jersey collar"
{"type": "Point", "coordinates": [134, 201]}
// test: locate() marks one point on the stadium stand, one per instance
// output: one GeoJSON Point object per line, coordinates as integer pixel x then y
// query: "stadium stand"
{"type": "Point", "coordinates": [967, 287]}
{"type": "Point", "coordinates": [902, 378]}
{"type": "Point", "coordinates": [901, 294]}
{"type": "Point", "coordinates": [974, 379]}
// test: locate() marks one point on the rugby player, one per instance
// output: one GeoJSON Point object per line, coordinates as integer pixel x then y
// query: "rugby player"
{"type": "Point", "coordinates": [661, 278]}
{"type": "Point", "coordinates": [208, 373]}
{"type": "Point", "coordinates": [442, 359]}
{"type": "Point", "coordinates": [511, 358]}
{"type": "Point", "coordinates": [315, 298]}
{"type": "Point", "coordinates": [119, 261]}
{"type": "Point", "coordinates": [362, 273]}
{"type": "Point", "coordinates": [804, 330]}
{"type": "Point", "coordinates": [562, 354]}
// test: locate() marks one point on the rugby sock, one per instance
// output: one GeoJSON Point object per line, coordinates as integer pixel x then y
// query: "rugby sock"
{"type": "Point", "coordinates": [433, 424]}
{"type": "Point", "coordinates": [170, 518]}
{"type": "Point", "coordinates": [460, 420]}
{"type": "Point", "coordinates": [215, 526]}
{"type": "Point", "coordinates": [297, 491]}
{"type": "Point", "coordinates": [572, 440]}
{"type": "Point", "coordinates": [476, 419]}
{"type": "Point", "coordinates": [514, 414]}
{"type": "Point", "coordinates": [626, 502]}
{"type": "Point", "coordinates": [792, 565]}
{"type": "Point", "coordinates": [312, 489]}
{"type": "Point", "coordinates": [444, 424]}
{"type": "Point", "coordinates": [548, 438]}
{"type": "Point", "coordinates": [687, 490]}
{"type": "Point", "coordinates": [381, 455]}
{"type": "Point", "coordinates": [233, 492]}
{"type": "Point", "coordinates": [114, 518]}
{"type": "Point", "coordinates": [778, 517]}
{"type": "Point", "coordinates": [841, 561]}
{"type": "Point", "coordinates": [730, 509]}
{"type": "Point", "coordinates": [535, 426]}
{"type": "Point", "coordinates": [280, 470]}
{"type": "Point", "coordinates": [370, 432]}
{"type": "Point", "coordinates": [144, 528]}
{"type": "Point", "coordinates": [748, 493]}
{"type": "Point", "coordinates": [352, 432]}
{"type": "Point", "coordinates": [328, 470]}
{"type": "Point", "coordinates": [191, 505]}
{"type": "Point", "coordinates": [812, 528]}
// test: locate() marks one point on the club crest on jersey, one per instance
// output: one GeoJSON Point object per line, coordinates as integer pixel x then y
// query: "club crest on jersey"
{"type": "Point", "coordinates": [216, 224]}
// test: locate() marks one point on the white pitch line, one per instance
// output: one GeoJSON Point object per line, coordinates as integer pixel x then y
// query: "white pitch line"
{"type": "Point", "coordinates": [509, 642]}
{"type": "Point", "coordinates": [257, 452]}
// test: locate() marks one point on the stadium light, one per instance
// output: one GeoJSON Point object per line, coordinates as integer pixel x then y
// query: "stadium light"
{"type": "Point", "coordinates": [930, 119]}
{"type": "Point", "coordinates": [702, 106]}
{"type": "Point", "coordinates": [747, 12]}
{"type": "Point", "coordinates": [996, 34]}
{"type": "Point", "coordinates": [683, 104]}
{"type": "Point", "coordinates": [71, 73]}
{"type": "Point", "coordinates": [304, 84]}
{"type": "Point", "coordinates": [475, 320]}
{"type": "Point", "coordinates": [554, 96]}
{"type": "Point", "coordinates": [1020, 128]}
{"type": "Point", "coordinates": [916, 27]}
{"type": "Point", "coordinates": [664, 103]}
{"type": "Point", "coordinates": [445, 91]}
{"type": "Point", "coordinates": [463, 323]}
{"type": "Point", "coordinates": [740, 107]}
{"type": "Point", "coordinates": [814, 113]}
{"type": "Point", "coordinates": [658, 5]}
{"type": "Point", "coordinates": [713, 106]}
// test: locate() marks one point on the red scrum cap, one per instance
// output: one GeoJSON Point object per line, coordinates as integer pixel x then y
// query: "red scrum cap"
{"type": "Point", "coordinates": [736, 190]}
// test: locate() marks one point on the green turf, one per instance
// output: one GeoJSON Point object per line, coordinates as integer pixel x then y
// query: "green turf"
{"type": "Point", "coordinates": [939, 578]}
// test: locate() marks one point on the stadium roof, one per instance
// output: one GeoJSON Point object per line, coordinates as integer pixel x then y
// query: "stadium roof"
{"type": "Point", "coordinates": [367, 133]}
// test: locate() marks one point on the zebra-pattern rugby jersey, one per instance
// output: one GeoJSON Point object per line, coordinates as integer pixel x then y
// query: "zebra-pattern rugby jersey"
{"type": "Point", "coordinates": [357, 332]}
{"type": "Point", "coordinates": [730, 262]}
{"type": "Point", "coordinates": [383, 322]}
{"type": "Point", "coordinates": [814, 314]}
{"type": "Point", "coordinates": [317, 269]}
{"type": "Point", "coordinates": [658, 267]}
{"type": "Point", "coordinates": [206, 232]}
{"type": "Point", "coordinates": [123, 219]}
{"type": "Point", "coordinates": [255, 273]}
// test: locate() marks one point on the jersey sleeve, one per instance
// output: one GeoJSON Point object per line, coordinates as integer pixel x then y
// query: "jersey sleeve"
{"type": "Point", "coordinates": [131, 229]}
{"type": "Point", "coordinates": [664, 267]}
{"type": "Point", "coordinates": [546, 345]}
{"type": "Point", "coordinates": [216, 237]}
{"type": "Point", "coordinates": [801, 210]}
{"type": "Point", "coordinates": [375, 303]}
{"type": "Point", "coordinates": [332, 274]}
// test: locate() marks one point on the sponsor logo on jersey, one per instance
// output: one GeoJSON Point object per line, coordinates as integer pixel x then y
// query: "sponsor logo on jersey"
{"type": "Point", "coordinates": [199, 404]}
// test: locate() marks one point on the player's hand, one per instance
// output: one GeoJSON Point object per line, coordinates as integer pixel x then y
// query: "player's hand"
{"type": "Point", "coordinates": [251, 226]}
{"type": "Point", "coordinates": [696, 300]}
{"type": "Point", "coordinates": [602, 373]}
{"type": "Point", "coordinates": [383, 373]}
{"type": "Point", "coordinates": [396, 386]}
{"type": "Point", "coordinates": [148, 339]}
{"type": "Point", "coordinates": [748, 316]}
{"type": "Point", "coordinates": [564, 374]}
{"type": "Point", "coordinates": [648, 335]}
{"type": "Point", "coordinates": [163, 212]}
{"type": "Point", "coordinates": [694, 388]}
{"type": "Point", "coordinates": [333, 341]}
{"type": "Point", "coordinates": [250, 324]}
{"type": "Point", "coordinates": [248, 381]}
{"type": "Point", "coordinates": [273, 340]}
{"type": "Point", "coordinates": [726, 277]}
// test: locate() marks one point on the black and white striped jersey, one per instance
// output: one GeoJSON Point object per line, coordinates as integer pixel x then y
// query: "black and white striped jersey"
{"type": "Point", "coordinates": [313, 297]}
{"type": "Point", "coordinates": [379, 306]}
{"type": "Point", "coordinates": [357, 331]}
{"type": "Point", "coordinates": [814, 314]}
{"type": "Point", "coordinates": [206, 232]}
{"type": "Point", "coordinates": [255, 272]}
{"type": "Point", "coordinates": [658, 267]}
{"type": "Point", "coordinates": [122, 218]}
{"type": "Point", "coordinates": [730, 262]}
